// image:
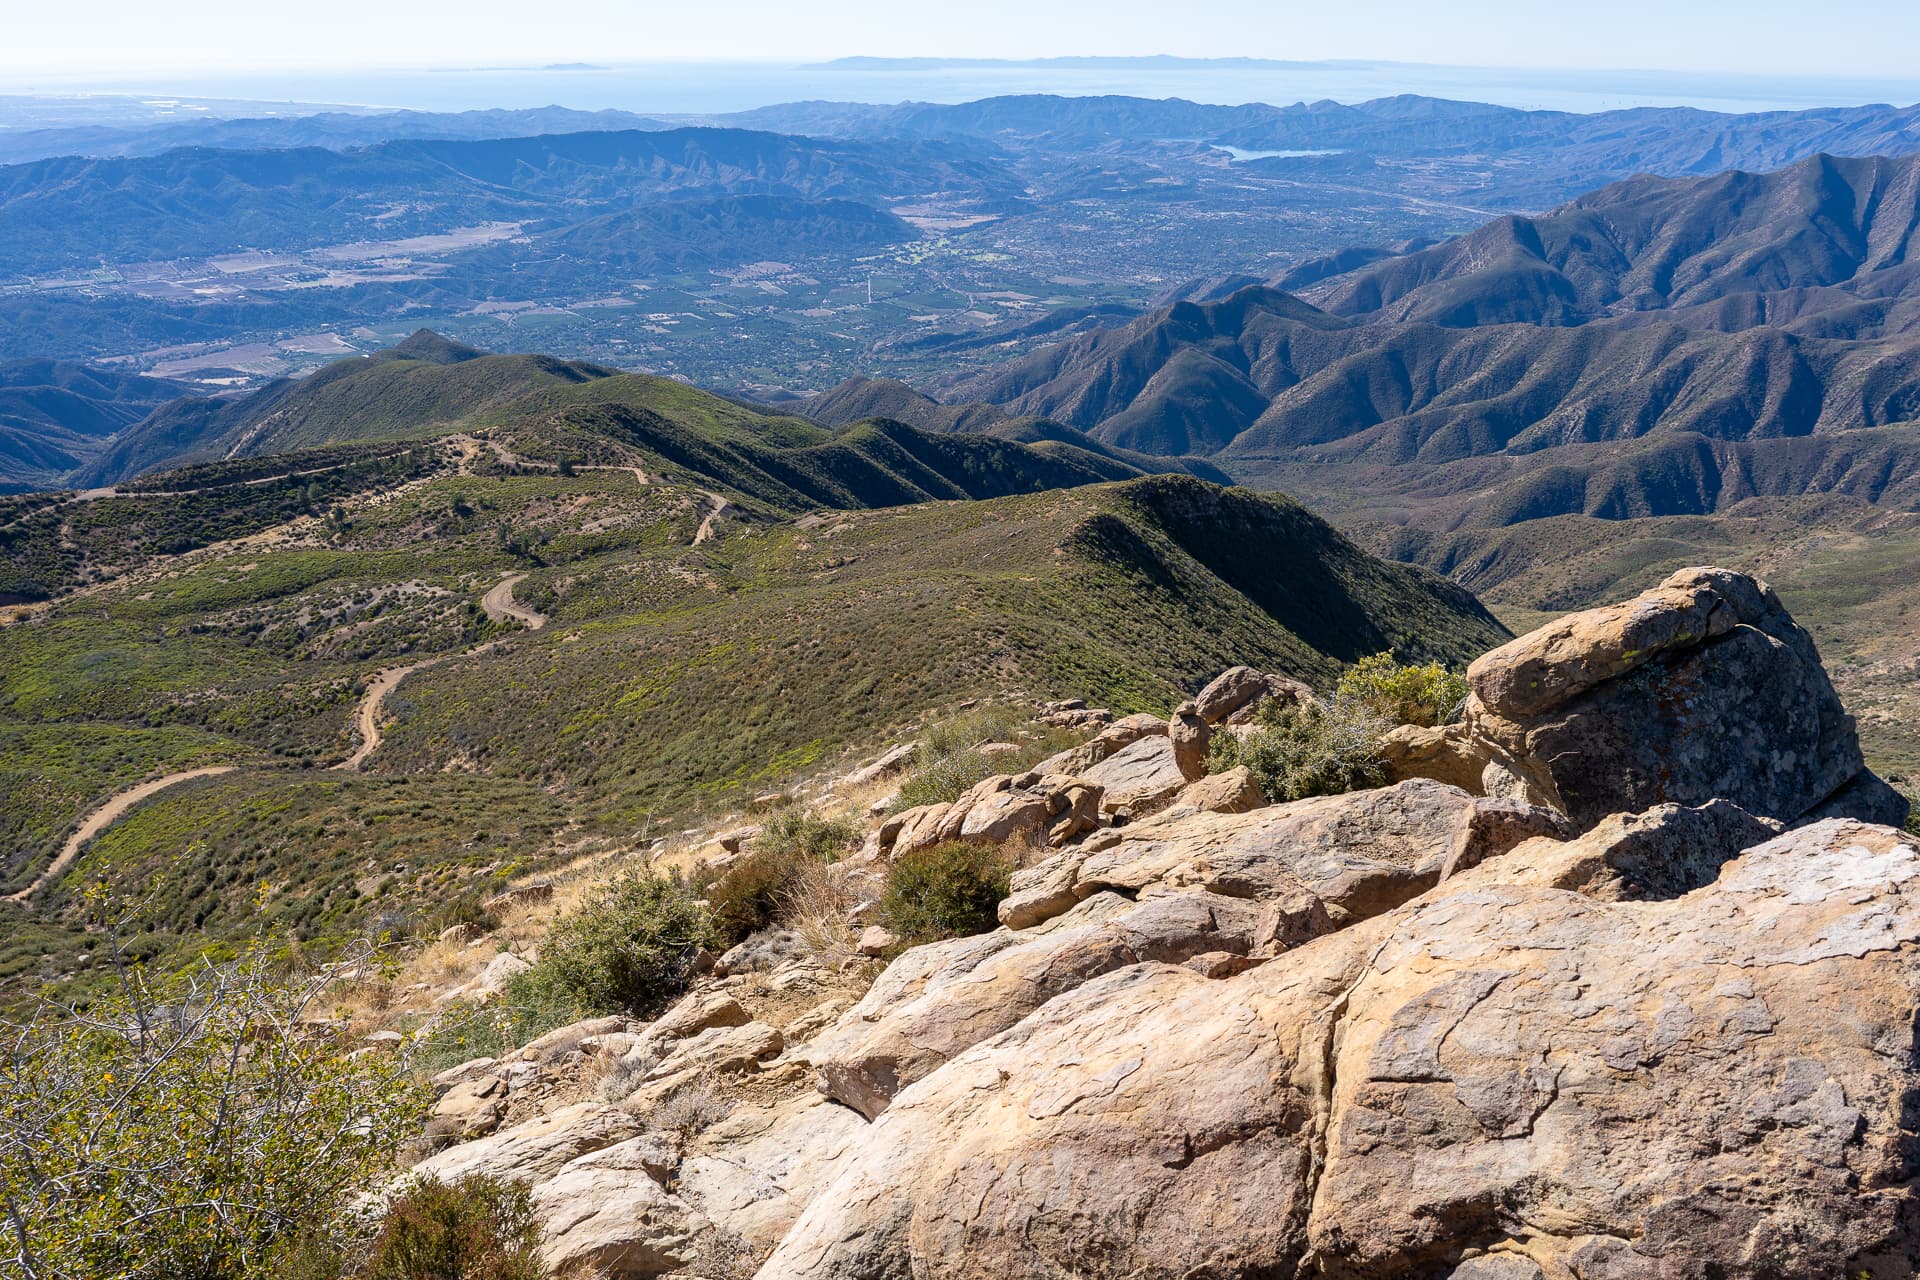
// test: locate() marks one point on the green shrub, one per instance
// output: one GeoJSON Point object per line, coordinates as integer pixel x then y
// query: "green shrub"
{"type": "Point", "coordinates": [757, 890]}
{"type": "Point", "coordinates": [1296, 751]}
{"type": "Point", "coordinates": [196, 1127]}
{"type": "Point", "coordinates": [748, 897]}
{"type": "Point", "coordinates": [950, 890]}
{"type": "Point", "coordinates": [803, 833]}
{"type": "Point", "coordinates": [630, 948]}
{"type": "Point", "coordinates": [1426, 695]}
{"type": "Point", "coordinates": [478, 1228]}
{"type": "Point", "coordinates": [944, 779]}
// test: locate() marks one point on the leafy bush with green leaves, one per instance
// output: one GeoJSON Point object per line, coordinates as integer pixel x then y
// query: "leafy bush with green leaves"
{"type": "Point", "coordinates": [1426, 695]}
{"type": "Point", "coordinates": [757, 891]}
{"type": "Point", "coordinates": [478, 1228]}
{"type": "Point", "coordinates": [1309, 749]}
{"type": "Point", "coordinates": [631, 947]}
{"type": "Point", "coordinates": [949, 890]}
{"type": "Point", "coordinates": [806, 834]}
{"type": "Point", "coordinates": [199, 1126]}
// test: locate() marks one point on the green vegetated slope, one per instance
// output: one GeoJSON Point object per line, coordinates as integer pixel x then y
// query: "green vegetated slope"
{"type": "Point", "coordinates": [662, 682]}
{"type": "Point", "coordinates": [677, 671]}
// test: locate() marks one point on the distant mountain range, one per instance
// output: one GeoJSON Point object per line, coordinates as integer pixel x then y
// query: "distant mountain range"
{"type": "Point", "coordinates": [1659, 347]}
{"type": "Point", "coordinates": [56, 417]}
{"type": "Point", "coordinates": [1541, 152]}
{"type": "Point", "coordinates": [331, 129]}
{"type": "Point", "coordinates": [199, 202]}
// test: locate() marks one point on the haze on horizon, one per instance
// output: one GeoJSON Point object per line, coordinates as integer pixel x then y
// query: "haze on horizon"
{"type": "Point", "coordinates": [1859, 38]}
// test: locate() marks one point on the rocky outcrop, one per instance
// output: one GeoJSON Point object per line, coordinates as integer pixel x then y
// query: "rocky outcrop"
{"type": "Point", "coordinates": [1234, 696]}
{"type": "Point", "coordinates": [1033, 807]}
{"type": "Point", "coordinates": [1607, 984]}
{"type": "Point", "coordinates": [537, 1149]}
{"type": "Point", "coordinates": [1111, 740]}
{"type": "Point", "coordinates": [1446, 753]}
{"type": "Point", "coordinates": [608, 1214]}
{"type": "Point", "coordinates": [1234, 791]}
{"type": "Point", "coordinates": [1495, 1080]}
{"type": "Point", "coordinates": [756, 1170]}
{"type": "Point", "coordinates": [1702, 688]}
{"type": "Point", "coordinates": [1139, 778]}
{"type": "Point", "coordinates": [1331, 858]}
{"type": "Point", "coordinates": [940, 999]}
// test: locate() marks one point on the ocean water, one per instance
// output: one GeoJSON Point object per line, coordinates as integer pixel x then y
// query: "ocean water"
{"type": "Point", "coordinates": [700, 88]}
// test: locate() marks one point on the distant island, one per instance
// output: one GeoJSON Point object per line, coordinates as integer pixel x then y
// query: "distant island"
{"type": "Point", "coordinates": [1155, 62]}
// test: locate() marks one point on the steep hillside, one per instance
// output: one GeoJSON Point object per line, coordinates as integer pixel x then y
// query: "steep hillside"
{"type": "Point", "coordinates": [1648, 244]}
{"type": "Point", "coordinates": [689, 653]}
{"type": "Point", "coordinates": [551, 411]}
{"type": "Point", "coordinates": [56, 416]}
{"type": "Point", "coordinates": [858, 399]}
{"type": "Point", "coordinates": [1252, 379]}
{"type": "Point", "coordinates": [423, 383]}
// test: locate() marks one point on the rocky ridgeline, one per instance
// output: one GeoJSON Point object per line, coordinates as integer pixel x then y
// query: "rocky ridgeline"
{"type": "Point", "coordinates": [1616, 979]}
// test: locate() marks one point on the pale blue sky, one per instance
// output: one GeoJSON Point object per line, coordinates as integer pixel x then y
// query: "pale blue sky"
{"type": "Point", "coordinates": [1840, 38]}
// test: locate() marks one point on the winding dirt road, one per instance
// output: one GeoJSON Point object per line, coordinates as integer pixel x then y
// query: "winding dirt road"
{"type": "Point", "coordinates": [105, 816]}
{"type": "Point", "coordinates": [366, 717]}
{"type": "Point", "coordinates": [500, 605]}
{"type": "Point", "coordinates": [714, 504]}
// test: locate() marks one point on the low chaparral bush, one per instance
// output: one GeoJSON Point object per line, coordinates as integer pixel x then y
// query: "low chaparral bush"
{"type": "Point", "coordinates": [478, 1228]}
{"type": "Point", "coordinates": [949, 890]}
{"type": "Point", "coordinates": [1425, 695]}
{"type": "Point", "coordinates": [1309, 749]}
{"type": "Point", "coordinates": [631, 947]}
{"type": "Point", "coordinates": [758, 890]}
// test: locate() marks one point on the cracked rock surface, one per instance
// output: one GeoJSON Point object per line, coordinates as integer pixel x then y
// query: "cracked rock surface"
{"type": "Point", "coordinates": [1497, 1078]}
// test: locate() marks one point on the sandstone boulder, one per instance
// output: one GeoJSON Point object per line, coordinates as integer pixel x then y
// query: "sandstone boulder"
{"type": "Point", "coordinates": [1189, 735]}
{"type": "Point", "coordinates": [1357, 854]}
{"type": "Point", "coordinates": [1235, 791]}
{"type": "Point", "coordinates": [470, 1109]}
{"type": "Point", "coordinates": [490, 981]}
{"type": "Point", "coordinates": [943, 998]}
{"type": "Point", "coordinates": [1043, 809]}
{"type": "Point", "coordinates": [1111, 740]}
{"type": "Point", "coordinates": [889, 763]}
{"type": "Point", "coordinates": [608, 1214]}
{"type": "Point", "coordinates": [1702, 688]}
{"type": "Point", "coordinates": [753, 1172]}
{"type": "Point", "coordinates": [1139, 777]}
{"type": "Point", "coordinates": [1445, 754]}
{"type": "Point", "coordinates": [1280, 689]}
{"type": "Point", "coordinates": [536, 1150]}
{"type": "Point", "coordinates": [1494, 1080]}
{"type": "Point", "coordinates": [1226, 693]}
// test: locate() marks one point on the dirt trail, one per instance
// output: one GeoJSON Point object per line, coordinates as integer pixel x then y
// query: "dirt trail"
{"type": "Point", "coordinates": [105, 816]}
{"type": "Point", "coordinates": [714, 505]}
{"type": "Point", "coordinates": [500, 605]}
{"type": "Point", "coordinates": [366, 717]}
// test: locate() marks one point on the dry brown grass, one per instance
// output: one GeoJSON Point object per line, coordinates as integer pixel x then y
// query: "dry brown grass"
{"type": "Point", "coordinates": [816, 908]}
